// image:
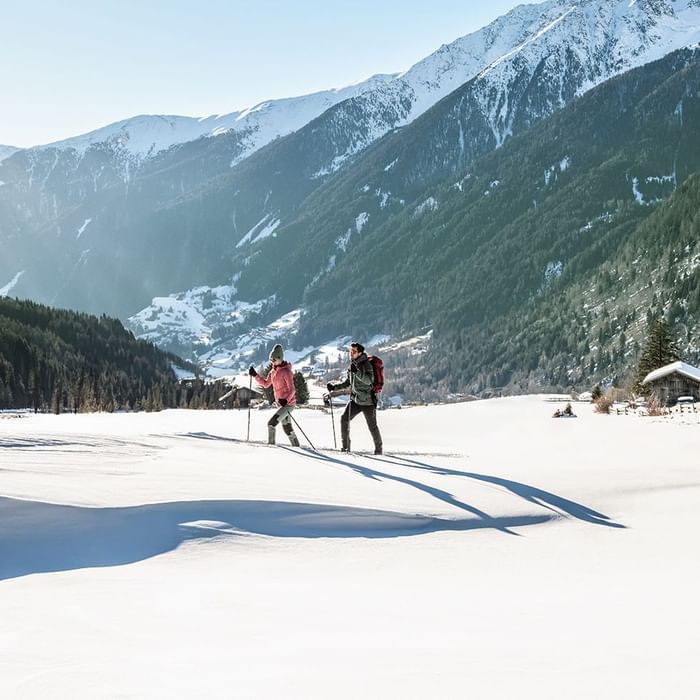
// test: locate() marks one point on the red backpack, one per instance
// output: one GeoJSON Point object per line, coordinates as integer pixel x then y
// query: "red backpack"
{"type": "Point", "coordinates": [378, 367]}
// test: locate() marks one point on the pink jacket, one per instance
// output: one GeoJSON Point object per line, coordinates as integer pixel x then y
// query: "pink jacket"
{"type": "Point", "coordinates": [281, 378]}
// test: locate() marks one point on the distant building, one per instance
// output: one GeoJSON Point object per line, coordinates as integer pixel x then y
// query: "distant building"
{"type": "Point", "coordinates": [667, 384]}
{"type": "Point", "coordinates": [241, 396]}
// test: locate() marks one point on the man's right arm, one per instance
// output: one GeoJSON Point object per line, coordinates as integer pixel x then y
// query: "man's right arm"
{"type": "Point", "coordinates": [337, 387]}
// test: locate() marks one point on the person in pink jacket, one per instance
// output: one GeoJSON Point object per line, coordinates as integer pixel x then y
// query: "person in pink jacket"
{"type": "Point", "coordinates": [281, 379]}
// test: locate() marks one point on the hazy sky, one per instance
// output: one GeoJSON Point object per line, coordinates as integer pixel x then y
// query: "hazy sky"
{"type": "Point", "coordinates": [70, 66]}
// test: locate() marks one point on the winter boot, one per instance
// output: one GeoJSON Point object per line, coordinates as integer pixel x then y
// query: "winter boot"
{"type": "Point", "coordinates": [287, 427]}
{"type": "Point", "coordinates": [270, 435]}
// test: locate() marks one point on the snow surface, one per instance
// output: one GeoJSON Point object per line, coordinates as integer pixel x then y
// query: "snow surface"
{"type": "Point", "coordinates": [5, 291]}
{"type": "Point", "coordinates": [81, 230]}
{"type": "Point", "coordinates": [264, 228]}
{"type": "Point", "coordinates": [497, 553]}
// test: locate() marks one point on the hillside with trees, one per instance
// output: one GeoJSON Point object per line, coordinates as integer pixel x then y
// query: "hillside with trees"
{"type": "Point", "coordinates": [60, 360]}
{"type": "Point", "coordinates": [541, 265]}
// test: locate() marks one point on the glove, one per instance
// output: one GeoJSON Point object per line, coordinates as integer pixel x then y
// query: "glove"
{"type": "Point", "coordinates": [282, 402]}
{"type": "Point", "coordinates": [252, 372]}
{"type": "Point", "coordinates": [353, 368]}
{"type": "Point", "coordinates": [329, 386]}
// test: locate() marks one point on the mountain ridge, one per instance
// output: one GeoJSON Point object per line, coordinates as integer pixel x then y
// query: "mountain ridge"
{"type": "Point", "coordinates": [187, 220]}
{"type": "Point", "coordinates": [500, 240]}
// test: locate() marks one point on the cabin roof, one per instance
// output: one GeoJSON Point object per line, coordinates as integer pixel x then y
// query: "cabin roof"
{"type": "Point", "coordinates": [675, 367]}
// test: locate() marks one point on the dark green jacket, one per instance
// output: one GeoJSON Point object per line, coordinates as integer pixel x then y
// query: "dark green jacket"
{"type": "Point", "coordinates": [360, 382]}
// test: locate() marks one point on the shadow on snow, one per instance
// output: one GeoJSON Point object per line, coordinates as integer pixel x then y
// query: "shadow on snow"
{"type": "Point", "coordinates": [38, 537]}
{"type": "Point", "coordinates": [557, 505]}
{"type": "Point", "coordinates": [532, 494]}
{"type": "Point", "coordinates": [41, 537]}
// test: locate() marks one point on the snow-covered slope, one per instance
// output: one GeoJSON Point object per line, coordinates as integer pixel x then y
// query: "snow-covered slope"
{"type": "Point", "coordinates": [226, 335]}
{"type": "Point", "coordinates": [523, 67]}
{"type": "Point", "coordinates": [222, 331]}
{"type": "Point", "coordinates": [611, 36]}
{"type": "Point", "coordinates": [147, 135]}
{"type": "Point", "coordinates": [7, 151]}
{"type": "Point", "coordinates": [607, 37]}
{"type": "Point", "coordinates": [494, 552]}
{"type": "Point", "coordinates": [516, 71]}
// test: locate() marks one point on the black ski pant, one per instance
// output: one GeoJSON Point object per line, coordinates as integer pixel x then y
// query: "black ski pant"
{"type": "Point", "coordinates": [370, 412]}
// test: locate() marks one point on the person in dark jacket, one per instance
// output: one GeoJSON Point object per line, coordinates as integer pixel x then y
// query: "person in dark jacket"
{"type": "Point", "coordinates": [360, 379]}
{"type": "Point", "coordinates": [281, 378]}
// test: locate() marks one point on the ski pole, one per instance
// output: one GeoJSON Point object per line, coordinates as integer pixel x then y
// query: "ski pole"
{"type": "Point", "coordinates": [250, 387]}
{"type": "Point", "coordinates": [330, 401]}
{"type": "Point", "coordinates": [302, 431]}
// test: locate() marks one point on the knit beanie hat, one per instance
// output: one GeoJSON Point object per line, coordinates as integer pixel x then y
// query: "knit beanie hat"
{"type": "Point", "coordinates": [277, 353]}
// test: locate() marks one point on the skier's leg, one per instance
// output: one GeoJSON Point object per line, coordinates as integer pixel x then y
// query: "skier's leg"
{"type": "Point", "coordinates": [351, 410]}
{"type": "Point", "coordinates": [289, 429]}
{"type": "Point", "coordinates": [272, 425]}
{"type": "Point", "coordinates": [371, 418]}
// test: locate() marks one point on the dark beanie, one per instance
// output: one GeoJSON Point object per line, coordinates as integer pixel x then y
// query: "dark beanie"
{"type": "Point", "coordinates": [360, 347]}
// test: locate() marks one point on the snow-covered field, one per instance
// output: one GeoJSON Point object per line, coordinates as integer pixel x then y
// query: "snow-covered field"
{"type": "Point", "coordinates": [495, 552]}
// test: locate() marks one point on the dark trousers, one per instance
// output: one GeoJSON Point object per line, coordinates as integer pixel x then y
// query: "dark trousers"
{"type": "Point", "coordinates": [370, 412]}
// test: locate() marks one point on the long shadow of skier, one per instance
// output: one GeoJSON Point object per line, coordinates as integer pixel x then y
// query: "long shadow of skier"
{"type": "Point", "coordinates": [501, 524]}
{"type": "Point", "coordinates": [221, 438]}
{"type": "Point", "coordinates": [531, 494]}
{"type": "Point", "coordinates": [446, 497]}
{"type": "Point", "coordinates": [38, 537]}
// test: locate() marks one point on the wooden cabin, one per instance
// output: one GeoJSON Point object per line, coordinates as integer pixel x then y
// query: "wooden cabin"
{"type": "Point", "coordinates": [241, 396]}
{"type": "Point", "coordinates": [669, 383]}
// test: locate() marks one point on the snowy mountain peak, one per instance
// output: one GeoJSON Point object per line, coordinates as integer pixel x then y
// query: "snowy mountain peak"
{"type": "Point", "coordinates": [633, 31]}
{"type": "Point", "coordinates": [605, 37]}
{"type": "Point", "coordinates": [630, 32]}
{"type": "Point", "coordinates": [145, 135]}
{"type": "Point", "coordinates": [7, 151]}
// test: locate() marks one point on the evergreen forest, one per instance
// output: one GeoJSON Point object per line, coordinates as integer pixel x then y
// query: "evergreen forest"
{"type": "Point", "coordinates": [57, 360]}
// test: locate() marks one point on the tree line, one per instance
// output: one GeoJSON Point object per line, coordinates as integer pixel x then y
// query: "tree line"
{"type": "Point", "coordinates": [58, 360]}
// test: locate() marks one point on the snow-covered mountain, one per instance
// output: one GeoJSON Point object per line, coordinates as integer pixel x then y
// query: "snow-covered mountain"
{"type": "Point", "coordinates": [51, 181]}
{"type": "Point", "coordinates": [185, 222]}
{"type": "Point", "coordinates": [7, 151]}
{"type": "Point", "coordinates": [147, 135]}
{"type": "Point", "coordinates": [610, 36]}
{"type": "Point", "coordinates": [604, 37]}
{"type": "Point", "coordinates": [523, 67]}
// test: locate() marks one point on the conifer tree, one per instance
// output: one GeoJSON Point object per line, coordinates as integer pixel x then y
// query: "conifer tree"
{"type": "Point", "coordinates": [301, 388]}
{"type": "Point", "coordinates": [661, 349]}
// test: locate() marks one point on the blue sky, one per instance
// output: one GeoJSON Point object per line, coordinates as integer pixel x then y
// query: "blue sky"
{"type": "Point", "coordinates": [70, 66]}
